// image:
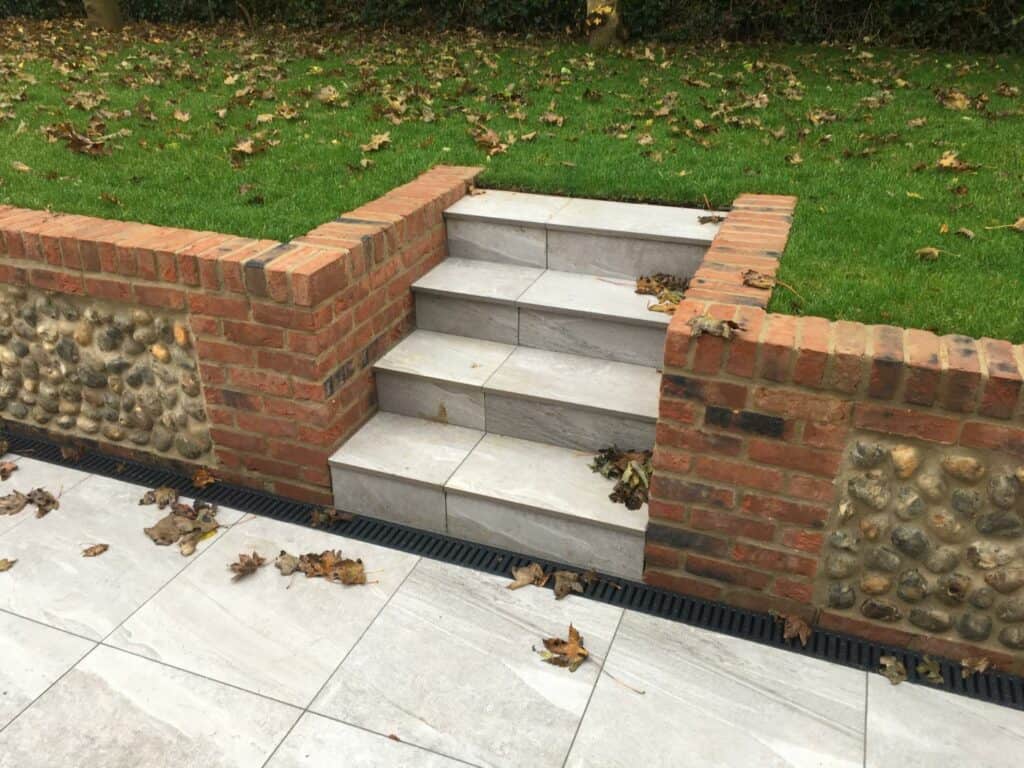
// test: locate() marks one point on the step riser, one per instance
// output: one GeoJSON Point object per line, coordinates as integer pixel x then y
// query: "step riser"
{"type": "Point", "coordinates": [519, 529]}
{"type": "Point", "coordinates": [447, 403]}
{"type": "Point", "coordinates": [625, 257]}
{"type": "Point", "coordinates": [388, 498]}
{"type": "Point", "coordinates": [602, 339]}
{"type": "Point", "coordinates": [462, 317]}
{"type": "Point", "coordinates": [564, 425]}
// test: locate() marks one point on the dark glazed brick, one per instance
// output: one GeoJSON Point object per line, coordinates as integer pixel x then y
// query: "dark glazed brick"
{"type": "Point", "coordinates": [684, 539]}
{"type": "Point", "coordinates": [333, 382]}
{"type": "Point", "coordinates": [747, 421]}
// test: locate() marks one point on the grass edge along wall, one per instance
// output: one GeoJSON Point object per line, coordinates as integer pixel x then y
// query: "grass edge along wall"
{"type": "Point", "coordinates": [284, 334]}
{"type": "Point", "coordinates": [756, 428]}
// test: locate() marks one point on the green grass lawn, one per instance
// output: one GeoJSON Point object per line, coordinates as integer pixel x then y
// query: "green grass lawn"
{"type": "Point", "coordinates": [856, 134]}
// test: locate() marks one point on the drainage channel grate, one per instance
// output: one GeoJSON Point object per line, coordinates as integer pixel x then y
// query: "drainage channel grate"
{"type": "Point", "coordinates": [994, 687]}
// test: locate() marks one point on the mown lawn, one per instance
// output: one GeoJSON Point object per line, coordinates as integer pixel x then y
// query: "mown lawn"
{"type": "Point", "coordinates": [233, 131]}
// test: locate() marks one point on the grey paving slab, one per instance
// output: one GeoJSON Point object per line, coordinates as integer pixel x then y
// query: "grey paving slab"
{"type": "Point", "coordinates": [116, 710]}
{"type": "Point", "coordinates": [517, 472]}
{"type": "Point", "coordinates": [450, 665]}
{"type": "Point", "coordinates": [571, 539]}
{"type": "Point", "coordinates": [32, 473]}
{"type": "Point", "coordinates": [389, 498]}
{"type": "Point", "coordinates": [32, 657]}
{"type": "Point", "coordinates": [465, 317]}
{"type": "Point", "coordinates": [54, 584]}
{"type": "Point", "coordinates": [444, 402]}
{"type": "Point", "coordinates": [603, 339]}
{"type": "Point", "coordinates": [586, 382]}
{"type": "Point", "coordinates": [445, 358]}
{"type": "Point", "coordinates": [677, 695]}
{"type": "Point", "coordinates": [271, 634]}
{"type": "Point", "coordinates": [412, 449]}
{"type": "Point", "coordinates": [654, 222]}
{"type": "Point", "coordinates": [592, 296]}
{"type": "Point", "coordinates": [507, 243]}
{"type": "Point", "coordinates": [913, 726]}
{"type": "Point", "coordinates": [500, 206]}
{"type": "Point", "coordinates": [622, 257]}
{"type": "Point", "coordinates": [319, 742]}
{"type": "Point", "coordinates": [481, 280]}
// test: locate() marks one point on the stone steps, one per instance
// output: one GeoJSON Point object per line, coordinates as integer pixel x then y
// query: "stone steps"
{"type": "Point", "coordinates": [572, 312]}
{"type": "Point", "coordinates": [594, 237]}
{"type": "Point", "coordinates": [532, 352]}
{"type": "Point", "coordinates": [517, 494]}
{"type": "Point", "coordinates": [566, 400]}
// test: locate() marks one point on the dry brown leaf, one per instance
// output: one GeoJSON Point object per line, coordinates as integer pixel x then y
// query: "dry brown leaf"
{"type": "Point", "coordinates": [917, 122]}
{"type": "Point", "coordinates": [706, 324]}
{"type": "Point", "coordinates": [246, 565]}
{"type": "Point", "coordinates": [330, 565]}
{"type": "Point", "coordinates": [930, 670]}
{"type": "Point", "coordinates": [203, 477]}
{"type": "Point", "coordinates": [1018, 225]}
{"type": "Point", "coordinates": [928, 254]}
{"type": "Point", "coordinates": [528, 574]}
{"type": "Point", "coordinates": [566, 653]}
{"type": "Point", "coordinates": [756, 279]}
{"type": "Point", "coordinates": [567, 582]}
{"type": "Point", "coordinates": [376, 142]}
{"type": "Point", "coordinates": [950, 161]}
{"type": "Point", "coordinates": [44, 501]}
{"type": "Point", "coordinates": [550, 118]}
{"type": "Point", "coordinates": [965, 232]}
{"type": "Point", "coordinates": [893, 669]}
{"type": "Point", "coordinates": [20, 167]}
{"type": "Point", "coordinates": [73, 453]}
{"type": "Point", "coordinates": [974, 665]}
{"type": "Point", "coordinates": [12, 503]}
{"type": "Point", "coordinates": [322, 517]}
{"type": "Point", "coordinates": [182, 117]}
{"type": "Point", "coordinates": [7, 468]}
{"type": "Point", "coordinates": [185, 525]}
{"type": "Point", "coordinates": [796, 627]}
{"type": "Point", "coordinates": [163, 496]}
{"type": "Point", "coordinates": [95, 550]}
{"type": "Point", "coordinates": [794, 159]}
{"type": "Point", "coordinates": [5, 564]}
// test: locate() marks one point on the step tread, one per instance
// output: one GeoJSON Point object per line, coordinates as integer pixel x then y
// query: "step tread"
{"type": "Point", "coordinates": [593, 296]}
{"type": "Point", "coordinates": [599, 217]}
{"type": "Point", "coordinates": [413, 449]}
{"type": "Point", "coordinates": [479, 280]}
{"type": "Point", "coordinates": [543, 477]}
{"type": "Point", "coordinates": [446, 358]}
{"type": "Point", "coordinates": [587, 382]}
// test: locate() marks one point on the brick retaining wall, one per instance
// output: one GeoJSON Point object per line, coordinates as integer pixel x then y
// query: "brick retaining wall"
{"type": "Point", "coordinates": [285, 333]}
{"type": "Point", "coordinates": [753, 432]}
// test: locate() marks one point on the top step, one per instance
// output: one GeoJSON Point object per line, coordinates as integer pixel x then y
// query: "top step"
{"type": "Point", "coordinates": [594, 217]}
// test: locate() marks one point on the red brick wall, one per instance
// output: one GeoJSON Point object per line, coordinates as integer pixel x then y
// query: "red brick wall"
{"type": "Point", "coordinates": [285, 333]}
{"type": "Point", "coordinates": [752, 428]}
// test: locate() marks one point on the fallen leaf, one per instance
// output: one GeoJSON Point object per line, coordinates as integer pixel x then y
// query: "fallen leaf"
{"type": "Point", "coordinates": [72, 452]}
{"type": "Point", "coordinates": [953, 98]}
{"type": "Point", "coordinates": [567, 582]}
{"type": "Point", "coordinates": [706, 324]}
{"type": "Point", "coordinates": [322, 517]}
{"type": "Point", "coordinates": [668, 288]}
{"type": "Point", "coordinates": [974, 665]}
{"type": "Point", "coordinates": [893, 669]}
{"type": "Point", "coordinates": [185, 525]}
{"type": "Point", "coordinates": [928, 254]}
{"type": "Point", "coordinates": [550, 118]}
{"type": "Point", "coordinates": [632, 472]}
{"type": "Point", "coordinates": [7, 468]}
{"type": "Point", "coordinates": [944, 229]}
{"type": "Point", "coordinates": [712, 219]}
{"type": "Point", "coordinates": [794, 627]}
{"type": "Point", "coordinates": [163, 497]}
{"type": "Point", "coordinates": [95, 550]}
{"type": "Point", "coordinates": [246, 565]}
{"type": "Point", "coordinates": [756, 279]}
{"type": "Point", "coordinates": [182, 117]}
{"type": "Point", "coordinates": [328, 95]}
{"type": "Point", "coordinates": [20, 167]}
{"type": "Point", "coordinates": [1018, 225]}
{"type": "Point", "coordinates": [287, 564]}
{"type": "Point", "coordinates": [528, 574]}
{"type": "Point", "coordinates": [566, 653]}
{"type": "Point", "coordinates": [950, 161]}
{"type": "Point", "coordinates": [330, 565]}
{"type": "Point", "coordinates": [930, 670]}
{"type": "Point", "coordinates": [794, 159]}
{"type": "Point", "coordinates": [203, 477]}
{"type": "Point", "coordinates": [376, 142]}
{"type": "Point", "coordinates": [12, 503]}
{"type": "Point", "coordinates": [44, 501]}
{"type": "Point", "coordinates": [965, 232]}
{"type": "Point", "coordinates": [6, 565]}
{"type": "Point", "coordinates": [917, 122]}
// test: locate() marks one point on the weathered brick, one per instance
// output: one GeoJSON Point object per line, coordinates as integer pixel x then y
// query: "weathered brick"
{"type": "Point", "coordinates": [728, 573]}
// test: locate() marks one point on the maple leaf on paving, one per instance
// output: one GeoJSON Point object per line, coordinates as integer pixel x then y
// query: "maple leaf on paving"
{"type": "Point", "coordinates": [5, 564]}
{"type": "Point", "coordinates": [973, 665]}
{"type": "Point", "coordinates": [95, 550]}
{"type": "Point", "coordinates": [893, 669]}
{"type": "Point", "coordinates": [6, 468]}
{"type": "Point", "coordinates": [72, 452]}
{"type": "Point", "coordinates": [565, 653]}
{"type": "Point", "coordinates": [793, 627]}
{"type": "Point", "coordinates": [930, 670]}
{"type": "Point", "coordinates": [570, 581]}
{"type": "Point", "coordinates": [13, 503]}
{"type": "Point", "coordinates": [330, 565]}
{"type": "Point", "coordinates": [203, 477]}
{"type": "Point", "coordinates": [287, 564]}
{"type": "Point", "coordinates": [321, 517]}
{"type": "Point", "coordinates": [163, 496]}
{"type": "Point", "coordinates": [528, 574]}
{"type": "Point", "coordinates": [185, 525]}
{"type": "Point", "coordinates": [44, 501]}
{"type": "Point", "coordinates": [246, 565]}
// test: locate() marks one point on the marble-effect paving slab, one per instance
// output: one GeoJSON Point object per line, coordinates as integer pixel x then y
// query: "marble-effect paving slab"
{"type": "Point", "coordinates": [639, 220]}
{"type": "Point", "coordinates": [505, 243]}
{"type": "Point", "coordinates": [913, 726]}
{"type": "Point", "coordinates": [710, 700]}
{"type": "Point", "coordinates": [274, 635]}
{"type": "Point", "coordinates": [592, 296]}
{"type": "Point", "coordinates": [117, 710]}
{"type": "Point", "coordinates": [30, 474]}
{"type": "Point", "coordinates": [484, 280]}
{"type": "Point", "coordinates": [462, 317]}
{"type": "Point", "coordinates": [445, 358]}
{"type": "Point", "coordinates": [449, 403]}
{"type": "Point", "coordinates": [500, 206]}
{"type": "Point", "coordinates": [54, 584]}
{"type": "Point", "coordinates": [621, 257]}
{"type": "Point", "coordinates": [389, 498]}
{"type": "Point", "coordinates": [32, 657]}
{"type": "Point", "coordinates": [449, 665]}
{"type": "Point", "coordinates": [580, 335]}
{"type": "Point", "coordinates": [319, 742]}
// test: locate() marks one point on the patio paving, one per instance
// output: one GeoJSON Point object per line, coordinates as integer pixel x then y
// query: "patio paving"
{"type": "Point", "coordinates": [142, 657]}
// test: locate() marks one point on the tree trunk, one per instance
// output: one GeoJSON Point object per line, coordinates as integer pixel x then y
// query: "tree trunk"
{"type": "Point", "coordinates": [604, 25]}
{"type": "Point", "coordinates": [105, 14]}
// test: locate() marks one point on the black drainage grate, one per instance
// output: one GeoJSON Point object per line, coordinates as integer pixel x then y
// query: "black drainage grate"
{"type": "Point", "coordinates": [994, 687]}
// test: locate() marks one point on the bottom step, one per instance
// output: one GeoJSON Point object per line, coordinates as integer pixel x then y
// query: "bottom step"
{"type": "Point", "coordinates": [527, 497]}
